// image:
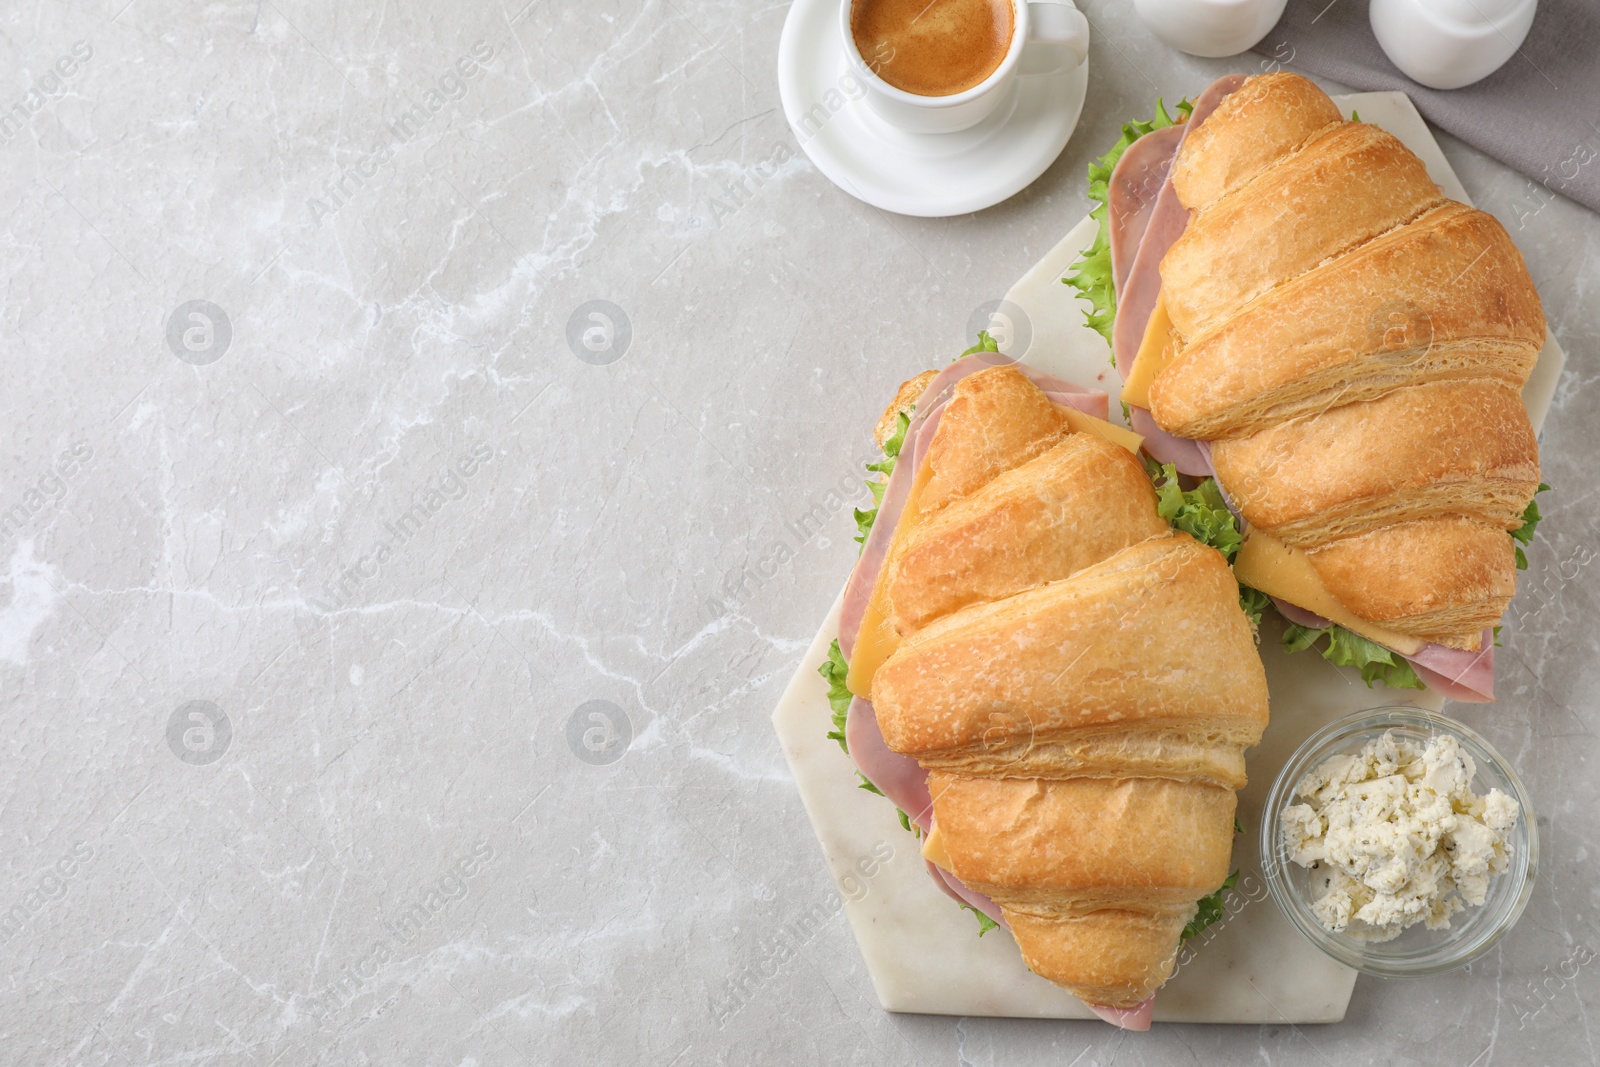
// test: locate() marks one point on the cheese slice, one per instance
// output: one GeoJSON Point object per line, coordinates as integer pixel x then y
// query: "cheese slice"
{"type": "Point", "coordinates": [875, 643]}
{"type": "Point", "coordinates": [1158, 349]}
{"type": "Point", "coordinates": [878, 638]}
{"type": "Point", "coordinates": [1117, 435]}
{"type": "Point", "coordinates": [1283, 571]}
{"type": "Point", "coordinates": [933, 849]}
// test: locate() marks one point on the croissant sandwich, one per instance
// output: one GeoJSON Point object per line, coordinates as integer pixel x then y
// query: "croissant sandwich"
{"type": "Point", "coordinates": [1051, 682]}
{"type": "Point", "coordinates": [1298, 311]}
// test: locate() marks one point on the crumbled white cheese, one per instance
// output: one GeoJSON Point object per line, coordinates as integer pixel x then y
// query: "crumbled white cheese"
{"type": "Point", "coordinates": [1395, 836]}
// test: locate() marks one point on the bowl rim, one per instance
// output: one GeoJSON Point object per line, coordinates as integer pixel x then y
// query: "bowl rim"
{"type": "Point", "coordinates": [1368, 957]}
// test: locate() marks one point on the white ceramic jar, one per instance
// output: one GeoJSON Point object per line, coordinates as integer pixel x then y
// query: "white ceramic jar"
{"type": "Point", "coordinates": [1445, 44]}
{"type": "Point", "coordinates": [1211, 28]}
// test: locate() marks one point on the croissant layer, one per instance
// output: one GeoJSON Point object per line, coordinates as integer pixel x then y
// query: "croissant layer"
{"type": "Point", "coordinates": [1445, 297]}
{"type": "Point", "coordinates": [1112, 956]}
{"type": "Point", "coordinates": [1058, 659]}
{"type": "Point", "coordinates": [1256, 125]}
{"type": "Point", "coordinates": [1096, 877]}
{"type": "Point", "coordinates": [1090, 841]}
{"type": "Point", "coordinates": [1442, 579]}
{"type": "Point", "coordinates": [1447, 448]}
{"type": "Point", "coordinates": [1071, 507]}
{"type": "Point", "coordinates": [995, 420]}
{"type": "Point", "coordinates": [1279, 225]}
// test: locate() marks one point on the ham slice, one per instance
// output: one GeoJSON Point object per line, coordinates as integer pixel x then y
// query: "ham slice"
{"type": "Point", "coordinates": [1480, 692]}
{"type": "Point", "coordinates": [1137, 300]}
{"type": "Point", "coordinates": [1167, 220]}
{"type": "Point", "coordinates": [901, 778]}
{"type": "Point", "coordinates": [905, 783]}
{"type": "Point", "coordinates": [1089, 401]}
{"type": "Point", "coordinates": [1300, 616]}
{"type": "Point", "coordinates": [1136, 1018]}
{"type": "Point", "coordinates": [1453, 673]}
{"type": "Point", "coordinates": [1186, 454]}
{"type": "Point", "coordinates": [957, 890]}
{"type": "Point", "coordinates": [1131, 194]}
{"type": "Point", "coordinates": [1458, 674]}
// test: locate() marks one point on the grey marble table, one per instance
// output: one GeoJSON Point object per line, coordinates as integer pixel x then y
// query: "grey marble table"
{"type": "Point", "coordinates": [344, 548]}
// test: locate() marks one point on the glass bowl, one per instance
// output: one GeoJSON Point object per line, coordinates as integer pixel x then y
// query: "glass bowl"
{"type": "Point", "coordinates": [1418, 951]}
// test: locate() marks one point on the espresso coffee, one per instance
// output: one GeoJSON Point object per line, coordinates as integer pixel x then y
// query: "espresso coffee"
{"type": "Point", "coordinates": [933, 47]}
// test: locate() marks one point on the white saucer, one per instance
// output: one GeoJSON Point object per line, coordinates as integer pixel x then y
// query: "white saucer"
{"type": "Point", "coordinates": [916, 174]}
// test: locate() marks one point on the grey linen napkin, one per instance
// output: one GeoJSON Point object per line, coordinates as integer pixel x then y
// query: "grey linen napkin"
{"type": "Point", "coordinates": [1539, 114]}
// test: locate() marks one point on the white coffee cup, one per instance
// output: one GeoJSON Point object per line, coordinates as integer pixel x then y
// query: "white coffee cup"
{"type": "Point", "coordinates": [1446, 44]}
{"type": "Point", "coordinates": [1047, 36]}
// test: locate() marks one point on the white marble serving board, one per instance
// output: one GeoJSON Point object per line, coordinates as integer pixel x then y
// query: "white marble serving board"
{"type": "Point", "coordinates": [920, 948]}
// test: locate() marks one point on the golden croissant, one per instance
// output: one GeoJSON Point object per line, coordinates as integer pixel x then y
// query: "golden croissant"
{"type": "Point", "coordinates": [1075, 680]}
{"type": "Point", "coordinates": [1350, 345]}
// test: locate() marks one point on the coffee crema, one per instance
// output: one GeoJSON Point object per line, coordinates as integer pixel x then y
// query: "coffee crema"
{"type": "Point", "coordinates": [933, 47]}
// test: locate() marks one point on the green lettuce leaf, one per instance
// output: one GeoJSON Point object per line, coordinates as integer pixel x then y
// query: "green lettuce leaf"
{"type": "Point", "coordinates": [833, 671]}
{"type": "Point", "coordinates": [985, 344]}
{"type": "Point", "coordinates": [985, 924]}
{"type": "Point", "coordinates": [905, 820]}
{"type": "Point", "coordinates": [891, 447]}
{"type": "Point", "coordinates": [1523, 534]}
{"type": "Point", "coordinates": [1253, 602]}
{"type": "Point", "coordinates": [1346, 649]}
{"type": "Point", "coordinates": [885, 467]}
{"type": "Point", "coordinates": [1092, 270]}
{"type": "Point", "coordinates": [1199, 512]}
{"type": "Point", "coordinates": [1210, 909]}
{"type": "Point", "coordinates": [1202, 514]}
{"type": "Point", "coordinates": [864, 520]}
